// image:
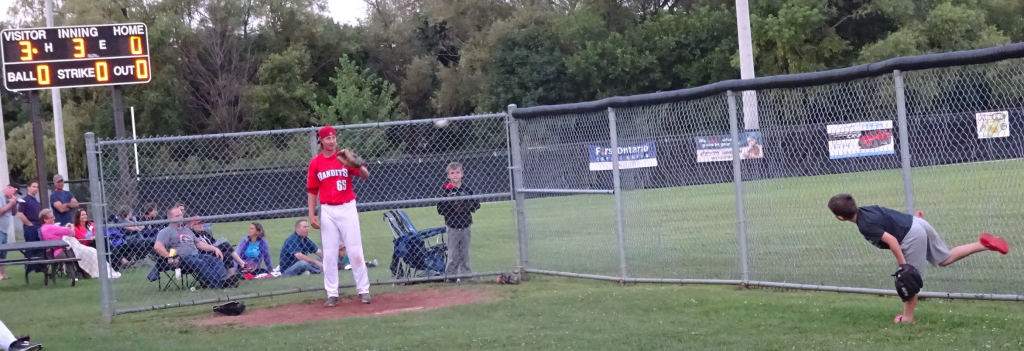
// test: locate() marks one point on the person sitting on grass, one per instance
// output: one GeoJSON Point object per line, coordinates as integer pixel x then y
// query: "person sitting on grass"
{"type": "Point", "coordinates": [207, 269]}
{"type": "Point", "coordinates": [227, 252]}
{"type": "Point", "coordinates": [343, 263]}
{"type": "Point", "coordinates": [253, 250]}
{"type": "Point", "coordinates": [910, 238]}
{"type": "Point", "coordinates": [295, 253]}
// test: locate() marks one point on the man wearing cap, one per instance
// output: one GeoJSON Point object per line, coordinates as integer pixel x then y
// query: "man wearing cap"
{"type": "Point", "coordinates": [329, 180]}
{"type": "Point", "coordinates": [62, 202]}
{"type": "Point", "coordinates": [228, 255]}
{"type": "Point", "coordinates": [207, 269]}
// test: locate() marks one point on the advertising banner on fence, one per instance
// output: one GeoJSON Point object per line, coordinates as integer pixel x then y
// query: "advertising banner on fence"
{"type": "Point", "coordinates": [993, 124]}
{"type": "Point", "coordinates": [719, 147]}
{"type": "Point", "coordinates": [860, 139]}
{"type": "Point", "coordinates": [631, 156]}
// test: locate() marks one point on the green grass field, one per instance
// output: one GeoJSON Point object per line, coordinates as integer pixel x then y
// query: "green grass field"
{"type": "Point", "coordinates": [546, 313]}
{"type": "Point", "coordinates": [687, 232]}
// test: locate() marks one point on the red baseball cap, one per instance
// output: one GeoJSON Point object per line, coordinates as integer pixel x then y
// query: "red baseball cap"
{"type": "Point", "coordinates": [326, 131]}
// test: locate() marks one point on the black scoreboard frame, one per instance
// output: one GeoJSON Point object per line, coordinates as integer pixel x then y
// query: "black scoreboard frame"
{"type": "Point", "coordinates": [91, 58]}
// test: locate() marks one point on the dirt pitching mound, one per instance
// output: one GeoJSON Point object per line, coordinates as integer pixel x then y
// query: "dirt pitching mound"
{"type": "Point", "coordinates": [383, 305]}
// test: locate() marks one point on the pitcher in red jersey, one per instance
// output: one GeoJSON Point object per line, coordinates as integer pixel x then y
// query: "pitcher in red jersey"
{"type": "Point", "coordinates": [331, 180]}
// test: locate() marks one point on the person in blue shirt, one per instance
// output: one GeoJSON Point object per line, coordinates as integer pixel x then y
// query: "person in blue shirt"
{"type": "Point", "coordinates": [295, 253]}
{"type": "Point", "coordinates": [62, 202]}
{"type": "Point", "coordinates": [253, 250]}
{"type": "Point", "coordinates": [28, 213]}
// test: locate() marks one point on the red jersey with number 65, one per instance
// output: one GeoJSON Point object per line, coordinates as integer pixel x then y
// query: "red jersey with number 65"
{"type": "Point", "coordinates": [330, 179]}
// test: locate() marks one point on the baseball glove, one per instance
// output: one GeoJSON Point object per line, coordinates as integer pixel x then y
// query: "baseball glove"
{"type": "Point", "coordinates": [908, 282]}
{"type": "Point", "coordinates": [507, 278]}
{"type": "Point", "coordinates": [232, 308]}
{"type": "Point", "coordinates": [350, 158]}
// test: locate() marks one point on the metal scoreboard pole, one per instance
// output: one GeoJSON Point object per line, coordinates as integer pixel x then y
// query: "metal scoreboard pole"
{"type": "Point", "coordinates": [37, 141]}
{"type": "Point", "coordinates": [58, 115]}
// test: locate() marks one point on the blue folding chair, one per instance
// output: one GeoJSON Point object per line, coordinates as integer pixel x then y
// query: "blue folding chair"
{"type": "Point", "coordinates": [413, 255]}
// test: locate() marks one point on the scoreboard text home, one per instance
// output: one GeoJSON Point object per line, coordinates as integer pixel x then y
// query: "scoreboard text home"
{"type": "Point", "coordinates": [76, 56]}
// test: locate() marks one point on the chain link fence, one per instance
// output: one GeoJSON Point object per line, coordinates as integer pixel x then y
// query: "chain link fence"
{"type": "Point", "coordinates": [691, 195]}
{"type": "Point", "coordinates": [233, 186]}
{"type": "Point", "coordinates": [669, 187]}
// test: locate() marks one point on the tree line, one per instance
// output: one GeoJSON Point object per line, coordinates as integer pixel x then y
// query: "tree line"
{"type": "Point", "coordinates": [223, 66]}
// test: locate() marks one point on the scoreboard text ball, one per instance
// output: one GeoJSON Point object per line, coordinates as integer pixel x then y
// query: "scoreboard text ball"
{"type": "Point", "coordinates": [76, 56]}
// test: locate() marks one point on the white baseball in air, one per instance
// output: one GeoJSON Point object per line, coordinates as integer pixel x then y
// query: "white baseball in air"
{"type": "Point", "coordinates": [441, 123]}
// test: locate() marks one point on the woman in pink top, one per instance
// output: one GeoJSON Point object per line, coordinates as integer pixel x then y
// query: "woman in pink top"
{"type": "Point", "coordinates": [50, 231]}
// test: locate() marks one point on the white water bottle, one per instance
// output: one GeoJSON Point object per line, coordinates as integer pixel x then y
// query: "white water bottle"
{"type": "Point", "coordinates": [177, 273]}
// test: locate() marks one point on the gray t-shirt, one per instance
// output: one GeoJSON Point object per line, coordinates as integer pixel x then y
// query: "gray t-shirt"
{"type": "Point", "coordinates": [180, 239]}
{"type": "Point", "coordinates": [7, 218]}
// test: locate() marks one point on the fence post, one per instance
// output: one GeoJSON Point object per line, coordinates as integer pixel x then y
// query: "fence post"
{"type": "Point", "coordinates": [314, 147]}
{"type": "Point", "coordinates": [618, 191]}
{"type": "Point", "coordinates": [96, 209]}
{"type": "Point", "coordinates": [901, 113]}
{"type": "Point", "coordinates": [517, 183]}
{"type": "Point", "coordinates": [737, 179]}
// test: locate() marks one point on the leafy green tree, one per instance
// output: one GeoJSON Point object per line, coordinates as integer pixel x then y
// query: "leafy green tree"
{"type": "Point", "coordinates": [668, 51]}
{"type": "Point", "coordinates": [946, 27]}
{"type": "Point", "coordinates": [799, 38]}
{"type": "Point", "coordinates": [361, 97]}
{"type": "Point", "coordinates": [282, 97]}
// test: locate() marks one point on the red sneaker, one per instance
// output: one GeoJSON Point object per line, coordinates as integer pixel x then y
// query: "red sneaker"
{"type": "Point", "coordinates": [994, 243]}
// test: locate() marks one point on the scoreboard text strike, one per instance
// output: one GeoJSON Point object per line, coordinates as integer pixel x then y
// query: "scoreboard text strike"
{"type": "Point", "coordinates": [77, 56]}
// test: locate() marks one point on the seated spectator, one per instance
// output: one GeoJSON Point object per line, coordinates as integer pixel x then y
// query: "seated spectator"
{"type": "Point", "coordinates": [126, 243]}
{"type": "Point", "coordinates": [150, 213]}
{"type": "Point", "coordinates": [51, 231]}
{"type": "Point", "coordinates": [181, 207]}
{"type": "Point", "coordinates": [343, 263]}
{"type": "Point", "coordinates": [207, 269]}
{"type": "Point", "coordinates": [295, 253]}
{"type": "Point", "coordinates": [228, 254]}
{"type": "Point", "coordinates": [253, 250]}
{"type": "Point", "coordinates": [125, 215]}
{"type": "Point", "coordinates": [84, 228]}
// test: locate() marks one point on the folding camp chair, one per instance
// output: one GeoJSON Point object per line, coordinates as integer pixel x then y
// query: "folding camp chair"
{"type": "Point", "coordinates": [413, 255]}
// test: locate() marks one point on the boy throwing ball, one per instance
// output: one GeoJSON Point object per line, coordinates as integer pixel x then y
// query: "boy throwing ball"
{"type": "Point", "coordinates": [911, 239]}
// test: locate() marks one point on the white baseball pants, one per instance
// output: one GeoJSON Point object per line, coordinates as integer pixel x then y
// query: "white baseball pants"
{"type": "Point", "coordinates": [339, 224]}
{"type": "Point", "coordinates": [6, 337]}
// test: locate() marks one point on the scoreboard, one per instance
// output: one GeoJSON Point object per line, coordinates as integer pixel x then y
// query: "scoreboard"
{"type": "Point", "coordinates": [75, 56]}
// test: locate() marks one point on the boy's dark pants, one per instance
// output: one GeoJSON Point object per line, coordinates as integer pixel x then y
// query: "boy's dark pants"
{"type": "Point", "coordinates": [458, 251]}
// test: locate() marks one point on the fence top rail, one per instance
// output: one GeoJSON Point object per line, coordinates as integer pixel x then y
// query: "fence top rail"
{"type": "Point", "coordinates": [293, 130]}
{"type": "Point", "coordinates": [908, 63]}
